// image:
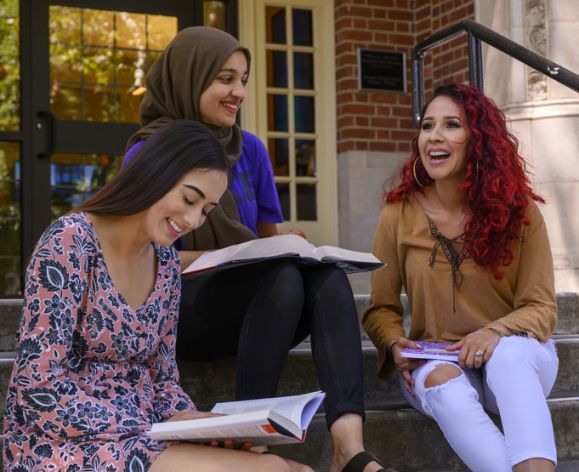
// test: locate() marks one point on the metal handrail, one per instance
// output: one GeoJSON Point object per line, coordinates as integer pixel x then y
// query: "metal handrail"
{"type": "Point", "coordinates": [477, 33]}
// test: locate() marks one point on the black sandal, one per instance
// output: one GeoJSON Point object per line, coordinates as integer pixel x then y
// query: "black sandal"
{"type": "Point", "coordinates": [359, 461]}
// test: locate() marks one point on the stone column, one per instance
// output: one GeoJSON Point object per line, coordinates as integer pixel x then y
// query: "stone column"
{"type": "Point", "coordinates": [544, 114]}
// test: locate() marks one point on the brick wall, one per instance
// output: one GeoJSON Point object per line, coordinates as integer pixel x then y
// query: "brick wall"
{"type": "Point", "coordinates": [383, 121]}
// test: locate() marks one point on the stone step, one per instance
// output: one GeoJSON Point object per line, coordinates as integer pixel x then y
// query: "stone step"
{"type": "Point", "coordinates": [211, 382]}
{"type": "Point", "coordinates": [410, 442]}
{"type": "Point", "coordinates": [568, 320]}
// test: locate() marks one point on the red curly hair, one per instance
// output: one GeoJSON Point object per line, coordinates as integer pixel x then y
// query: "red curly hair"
{"type": "Point", "coordinates": [497, 195]}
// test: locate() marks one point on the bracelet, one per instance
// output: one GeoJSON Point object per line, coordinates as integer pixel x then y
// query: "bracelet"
{"type": "Point", "coordinates": [496, 331]}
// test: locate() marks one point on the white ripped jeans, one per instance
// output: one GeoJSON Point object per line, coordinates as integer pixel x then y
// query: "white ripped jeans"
{"type": "Point", "coordinates": [514, 383]}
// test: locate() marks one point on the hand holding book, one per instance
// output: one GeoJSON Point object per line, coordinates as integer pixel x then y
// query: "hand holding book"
{"type": "Point", "coordinates": [268, 421]}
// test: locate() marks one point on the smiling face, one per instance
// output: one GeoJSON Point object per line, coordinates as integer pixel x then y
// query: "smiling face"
{"type": "Point", "coordinates": [185, 207]}
{"type": "Point", "coordinates": [443, 140]}
{"type": "Point", "coordinates": [220, 101]}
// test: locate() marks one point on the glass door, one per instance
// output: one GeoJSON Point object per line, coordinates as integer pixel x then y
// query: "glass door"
{"type": "Point", "coordinates": [71, 79]}
{"type": "Point", "coordinates": [89, 60]}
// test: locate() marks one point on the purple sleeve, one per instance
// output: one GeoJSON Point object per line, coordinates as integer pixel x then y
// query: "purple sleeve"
{"type": "Point", "coordinates": [268, 205]}
{"type": "Point", "coordinates": [131, 153]}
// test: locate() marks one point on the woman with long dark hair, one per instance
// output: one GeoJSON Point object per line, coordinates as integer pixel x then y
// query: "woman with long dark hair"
{"type": "Point", "coordinates": [95, 364]}
{"type": "Point", "coordinates": [255, 312]}
{"type": "Point", "coordinates": [463, 236]}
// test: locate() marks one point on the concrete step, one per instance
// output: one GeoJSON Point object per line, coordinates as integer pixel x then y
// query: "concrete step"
{"type": "Point", "coordinates": [410, 442]}
{"type": "Point", "coordinates": [210, 382]}
{"type": "Point", "coordinates": [568, 320]}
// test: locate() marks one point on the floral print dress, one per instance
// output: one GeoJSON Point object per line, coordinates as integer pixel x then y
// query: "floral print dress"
{"type": "Point", "coordinates": [91, 373]}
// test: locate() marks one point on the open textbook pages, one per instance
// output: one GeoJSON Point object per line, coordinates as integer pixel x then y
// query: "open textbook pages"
{"type": "Point", "coordinates": [268, 421]}
{"type": "Point", "coordinates": [431, 350]}
{"type": "Point", "coordinates": [284, 246]}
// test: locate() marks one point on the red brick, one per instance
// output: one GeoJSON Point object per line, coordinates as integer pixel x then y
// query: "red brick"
{"type": "Point", "coordinates": [355, 35]}
{"type": "Point", "coordinates": [361, 97]}
{"type": "Point", "coordinates": [361, 145]}
{"type": "Point", "coordinates": [344, 97]}
{"type": "Point", "coordinates": [405, 98]}
{"type": "Point", "coordinates": [380, 13]}
{"type": "Point", "coordinates": [384, 122]}
{"type": "Point", "coordinates": [384, 110]}
{"type": "Point", "coordinates": [343, 47]}
{"type": "Point", "coordinates": [347, 84]}
{"type": "Point", "coordinates": [382, 146]}
{"type": "Point", "coordinates": [362, 121]}
{"type": "Point", "coordinates": [403, 147]}
{"type": "Point", "coordinates": [359, 133]}
{"type": "Point", "coordinates": [383, 98]}
{"type": "Point", "coordinates": [343, 23]}
{"type": "Point", "coordinates": [361, 11]}
{"type": "Point", "coordinates": [400, 15]}
{"type": "Point", "coordinates": [403, 27]}
{"type": "Point", "coordinates": [382, 25]}
{"type": "Point", "coordinates": [344, 71]}
{"type": "Point", "coordinates": [345, 59]}
{"type": "Point", "coordinates": [405, 39]}
{"type": "Point", "coordinates": [359, 109]}
{"type": "Point", "coordinates": [345, 121]}
{"type": "Point", "coordinates": [360, 23]}
{"type": "Point", "coordinates": [383, 134]}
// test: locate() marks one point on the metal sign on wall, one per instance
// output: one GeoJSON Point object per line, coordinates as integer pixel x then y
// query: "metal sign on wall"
{"type": "Point", "coordinates": [380, 70]}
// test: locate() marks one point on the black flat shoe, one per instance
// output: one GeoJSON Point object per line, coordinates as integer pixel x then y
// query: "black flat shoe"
{"type": "Point", "coordinates": [361, 460]}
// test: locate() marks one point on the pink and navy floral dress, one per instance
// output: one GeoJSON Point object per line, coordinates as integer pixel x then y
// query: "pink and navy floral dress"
{"type": "Point", "coordinates": [91, 373]}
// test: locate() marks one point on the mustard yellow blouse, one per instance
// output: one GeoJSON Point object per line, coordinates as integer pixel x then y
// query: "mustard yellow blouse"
{"type": "Point", "coordinates": [447, 305]}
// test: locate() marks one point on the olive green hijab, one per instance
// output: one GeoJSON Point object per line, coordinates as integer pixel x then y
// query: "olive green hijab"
{"type": "Point", "coordinates": [175, 82]}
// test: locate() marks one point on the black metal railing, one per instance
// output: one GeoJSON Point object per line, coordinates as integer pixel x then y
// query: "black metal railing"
{"type": "Point", "coordinates": [475, 34]}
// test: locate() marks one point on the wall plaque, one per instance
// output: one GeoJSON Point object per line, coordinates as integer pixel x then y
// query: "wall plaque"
{"type": "Point", "coordinates": [380, 70]}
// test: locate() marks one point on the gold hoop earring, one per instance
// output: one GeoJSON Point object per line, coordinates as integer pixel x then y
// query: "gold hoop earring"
{"type": "Point", "coordinates": [414, 170]}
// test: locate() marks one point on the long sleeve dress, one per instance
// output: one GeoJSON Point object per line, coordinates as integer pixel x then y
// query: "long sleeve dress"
{"type": "Point", "coordinates": [91, 373]}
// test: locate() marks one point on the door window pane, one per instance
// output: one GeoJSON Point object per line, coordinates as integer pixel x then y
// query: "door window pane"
{"type": "Point", "coordinates": [10, 218]}
{"type": "Point", "coordinates": [303, 70]}
{"type": "Point", "coordinates": [277, 69]}
{"type": "Point", "coordinates": [275, 31]}
{"type": "Point", "coordinates": [305, 118]}
{"type": "Point", "coordinates": [306, 200]}
{"type": "Point", "coordinates": [278, 150]}
{"type": "Point", "coordinates": [305, 158]}
{"type": "Point", "coordinates": [9, 66]}
{"type": "Point", "coordinates": [283, 192]}
{"type": "Point", "coordinates": [277, 112]}
{"type": "Point", "coordinates": [76, 177]}
{"type": "Point", "coordinates": [99, 59]}
{"type": "Point", "coordinates": [302, 27]}
{"type": "Point", "coordinates": [214, 14]}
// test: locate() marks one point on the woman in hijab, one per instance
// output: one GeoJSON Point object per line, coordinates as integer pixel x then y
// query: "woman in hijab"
{"type": "Point", "coordinates": [256, 312]}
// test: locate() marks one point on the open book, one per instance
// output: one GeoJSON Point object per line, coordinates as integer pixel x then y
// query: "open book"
{"type": "Point", "coordinates": [284, 246]}
{"type": "Point", "coordinates": [431, 350]}
{"type": "Point", "coordinates": [268, 421]}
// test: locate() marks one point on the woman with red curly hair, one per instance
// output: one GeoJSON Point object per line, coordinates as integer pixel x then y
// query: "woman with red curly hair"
{"type": "Point", "coordinates": [464, 237]}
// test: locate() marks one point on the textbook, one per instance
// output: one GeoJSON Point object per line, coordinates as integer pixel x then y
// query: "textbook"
{"type": "Point", "coordinates": [431, 350]}
{"type": "Point", "coordinates": [284, 246]}
{"type": "Point", "coordinates": [268, 421]}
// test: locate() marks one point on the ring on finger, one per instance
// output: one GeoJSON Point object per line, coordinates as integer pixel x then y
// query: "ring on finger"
{"type": "Point", "coordinates": [479, 353]}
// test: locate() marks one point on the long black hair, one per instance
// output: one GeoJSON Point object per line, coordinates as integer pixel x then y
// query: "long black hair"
{"type": "Point", "coordinates": [169, 153]}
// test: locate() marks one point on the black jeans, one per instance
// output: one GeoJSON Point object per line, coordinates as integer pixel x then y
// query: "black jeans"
{"type": "Point", "coordinates": [258, 312]}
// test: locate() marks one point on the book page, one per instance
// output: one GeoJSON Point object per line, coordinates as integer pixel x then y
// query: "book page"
{"type": "Point", "coordinates": [431, 350]}
{"type": "Point", "coordinates": [337, 253]}
{"type": "Point", "coordinates": [291, 407]}
{"type": "Point", "coordinates": [254, 427]}
{"type": "Point", "coordinates": [256, 249]}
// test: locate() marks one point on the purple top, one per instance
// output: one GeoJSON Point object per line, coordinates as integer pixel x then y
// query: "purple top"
{"type": "Point", "coordinates": [251, 183]}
